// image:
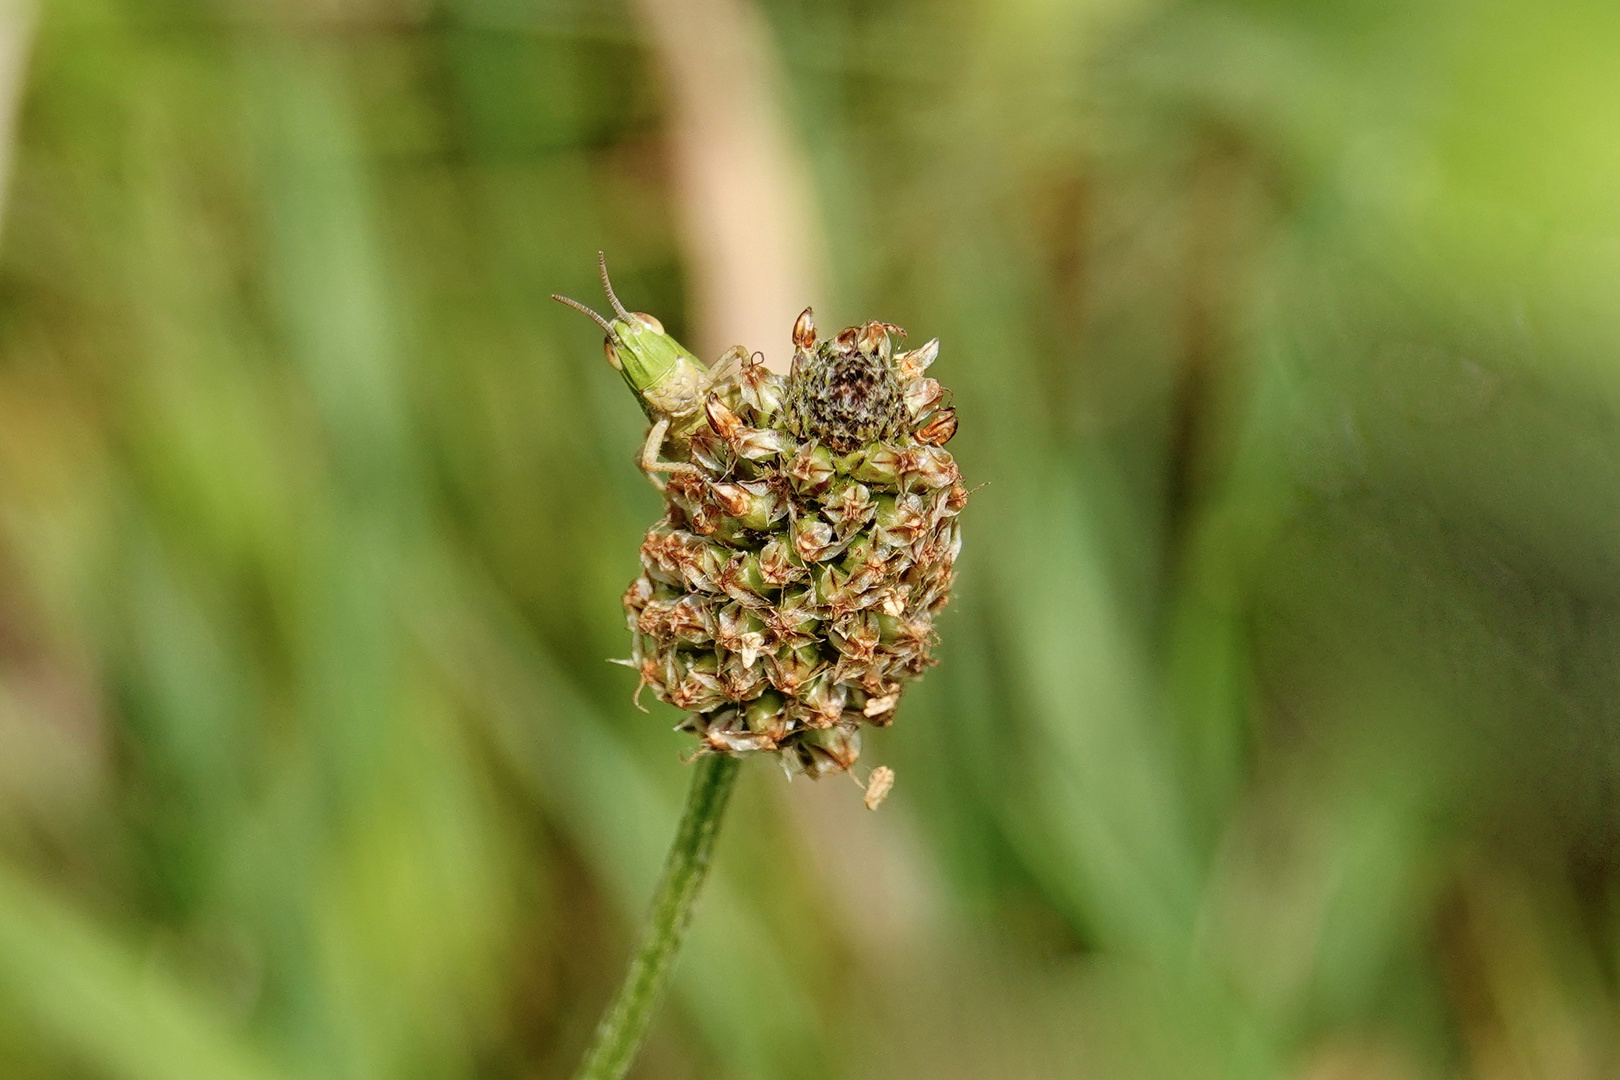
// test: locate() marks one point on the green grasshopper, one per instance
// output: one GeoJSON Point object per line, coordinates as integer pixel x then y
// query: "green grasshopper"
{"type": "Point", "coordinates": [669, 381]}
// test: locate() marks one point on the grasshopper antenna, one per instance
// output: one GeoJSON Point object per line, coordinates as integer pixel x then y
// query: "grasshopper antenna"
{"type": "Point", "coordinates": [601, 262]}
{"type": "Point", "coordinates": [577, 306]}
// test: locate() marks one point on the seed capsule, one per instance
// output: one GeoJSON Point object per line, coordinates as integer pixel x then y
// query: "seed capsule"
{"type": "Point", "coordinates": [879, 465]}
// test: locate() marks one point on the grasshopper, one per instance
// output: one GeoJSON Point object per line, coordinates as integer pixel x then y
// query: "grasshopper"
{"type": "Point", "coordinates": [669, 381]}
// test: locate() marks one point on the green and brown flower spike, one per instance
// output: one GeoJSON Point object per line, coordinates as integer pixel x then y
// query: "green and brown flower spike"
{"type": "Point", "coordinates": [787, 596]}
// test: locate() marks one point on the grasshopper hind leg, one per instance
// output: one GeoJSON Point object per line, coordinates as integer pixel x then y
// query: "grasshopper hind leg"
{"type": "Point", "coordinates": [725, 373]}
{"type": "Point", "coordinates": [651, 464]}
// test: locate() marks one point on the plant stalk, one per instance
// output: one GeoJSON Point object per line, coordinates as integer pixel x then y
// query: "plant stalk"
{"type": "Point", "coordinates": [619, 1034]}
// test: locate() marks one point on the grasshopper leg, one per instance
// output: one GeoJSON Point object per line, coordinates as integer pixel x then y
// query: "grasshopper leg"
{"type": "Point", "coordinates": [727, 368]}
{"type": "Point", "coordinates": [651, 464]}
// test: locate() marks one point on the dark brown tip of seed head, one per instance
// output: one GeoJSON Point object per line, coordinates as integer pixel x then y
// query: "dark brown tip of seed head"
{"type": "Point", "coordinates": [804, 331]}
{"type": "Point", "coordinates": [846, 395]}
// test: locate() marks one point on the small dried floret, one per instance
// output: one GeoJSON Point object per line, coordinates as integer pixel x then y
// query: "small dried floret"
{"type": "Point", "coordinates": [937, 428]}
{"type": "Point", "coordinates": [922, 395]}
{"type": "Point", "coordinates": [911, 365]}
{"type": "Point", "coordinates": [778, 564]}
{"type": "Point", "coordinates": [849, 506]}
{"type": "Point", "coordinates": [811, 469]}
{"type": "Point", "coordinates": [878, 786]}
{"type": "Point", "coordinates": [814, 539]}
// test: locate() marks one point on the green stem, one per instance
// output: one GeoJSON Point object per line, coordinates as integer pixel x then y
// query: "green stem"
{"type": "Point", "coordinates": [619, 1034]}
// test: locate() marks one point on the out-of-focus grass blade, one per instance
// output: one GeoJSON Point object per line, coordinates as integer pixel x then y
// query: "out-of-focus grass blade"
{"type": "Point", "coordinates": [100, 1000]}
{"type": "Point", "coordinates": [563, 751]}
{"type": "Point", "coordinates": [1100, 821]}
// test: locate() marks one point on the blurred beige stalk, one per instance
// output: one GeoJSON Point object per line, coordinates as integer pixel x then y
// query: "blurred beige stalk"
{"type": "Point", "coordinates": [752, 235]}
{"type": "Point", "coordinates": [16, 29]}
{"type": "Point", "coordinates": [744, 201]}
{"type": "Point", "coordinates": [49, 723]}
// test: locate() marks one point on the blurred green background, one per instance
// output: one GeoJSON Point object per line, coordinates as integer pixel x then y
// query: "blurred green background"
{"type": "Point", "coordinates": [1277, 729]}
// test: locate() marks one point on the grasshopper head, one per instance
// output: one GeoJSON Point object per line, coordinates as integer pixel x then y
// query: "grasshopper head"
{"type": "Point", "coordinates": [658, 369]}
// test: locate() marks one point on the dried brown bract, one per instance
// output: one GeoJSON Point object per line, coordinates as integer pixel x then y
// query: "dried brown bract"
{"type": "Point", "coordinates": [878, 786]}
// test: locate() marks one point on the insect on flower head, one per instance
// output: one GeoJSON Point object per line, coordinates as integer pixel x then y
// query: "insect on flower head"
{"type": "Point", "coordinates": [809, 538]}
{"type": "Point", "coordinates": [664, 375]}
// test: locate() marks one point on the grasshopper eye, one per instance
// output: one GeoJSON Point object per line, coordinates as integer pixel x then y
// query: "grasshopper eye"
{"type": "Point", "coordinates": [650, 323]}
{"type": "Point", "coordinates": [612, 354]}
